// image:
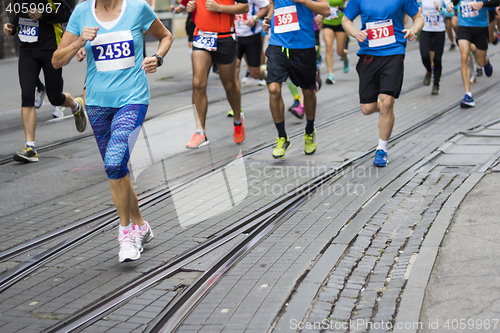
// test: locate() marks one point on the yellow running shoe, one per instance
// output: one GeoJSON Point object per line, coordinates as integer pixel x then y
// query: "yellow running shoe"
{"type": "Point", "coordinates": [80, 119]}
{"type": "Point", "coordinates": [282, 144]}
{"type": "Point", "coordinates": [310, 143]}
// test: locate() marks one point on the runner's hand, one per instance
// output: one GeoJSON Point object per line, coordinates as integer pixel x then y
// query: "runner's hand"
{"type": "Point", "coordinates": [89, 33]}
{"type": "Point", "coordinates": [212, 6]}
{"type": "Point", "coordinates": [361, 36]}
{"type": "Point", "coordinates": [191, 6]}
{"type": "Point", "coordinates": [35, 15]}
{"type": "Point", "coordinates": [477, 5]}
{"type": "Point", "coordinates": [266, 24]}
{"type": "Point", "coordinates": [250, 22]}
{"type": "Point", "coordinates": [81, 54]}
{"type": "Point", "coordinates": [8, 28]}
{"type": "Point", "coordinates": [149, 64]}
{"type": "Point", "coordinates": [436, 4]}
{"type": "Point", "coordinates": [450, 6]}
{"type": "Point", "coordinates": [409, 34]}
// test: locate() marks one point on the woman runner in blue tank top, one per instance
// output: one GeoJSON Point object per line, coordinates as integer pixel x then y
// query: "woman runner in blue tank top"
{"type": "Point", "coordinates": [117, 94]}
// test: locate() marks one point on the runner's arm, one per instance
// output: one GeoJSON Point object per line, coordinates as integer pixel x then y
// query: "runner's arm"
{"type": "Point", "coordinates": [240, 7]}
{"type": "Point", "coordinates": [418, 24]}
{"type": "Point", "coordinates": [351, 30]}
{"type": "Point", "coordinates": [158, 30]}
{"type": "Point", "coordinates": [70, 44]}
{"type": "Point", "coordinates": [266, 23]}
{"type": "Point", "coordinates": [487, 3]}
{"type": "Point", "coordinates": [319, 7]}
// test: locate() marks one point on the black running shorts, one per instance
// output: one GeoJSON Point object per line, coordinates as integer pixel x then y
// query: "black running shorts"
{"type": "Point", "coordinates": [478, 36]}
{"type": "Point", "coordinates": [379, 75]}
{"type": "Point", "coordinates": [252, 47]}
{"type": "Point", "coordinates": [225, 53]}
{"type": "Point", "coordinates": [298, 64]}
{"type": "Point", "coordinates": [335, 28]}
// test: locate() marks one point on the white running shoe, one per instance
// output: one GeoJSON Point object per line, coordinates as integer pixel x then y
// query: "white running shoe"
{"type": "Point", "coordinates": [262, 82]}
{"type": "Point", "coordinates": [142, 235]}
{"type": "Point", "coordinates": [39, 96]}
{"type": "Point", "coordinates": [128, 250]}
{"type": "Point", "coordinates": [58, 112]}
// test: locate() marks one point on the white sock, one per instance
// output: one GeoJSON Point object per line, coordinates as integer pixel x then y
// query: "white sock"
{"type": "Point", "coordinates": [237, 122]}
{"type": "Point", "coordinates": [30, 143]}
{"type": "Point", "coordinates": [121, 228]}
{"type": "Point", "coordinates": [202, 132]}
{"type": "Point", "coordinates": [76, 109]}
{"type": "Point", "coordinates": [382, 144]}
{"type": "Point", "coordinates": [469, 93]}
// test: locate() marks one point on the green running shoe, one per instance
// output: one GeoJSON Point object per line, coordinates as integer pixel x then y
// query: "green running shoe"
{"type": "Point", "coordinates": [282, 144]}
{"type": "Point", "coordinates": [310, 143]}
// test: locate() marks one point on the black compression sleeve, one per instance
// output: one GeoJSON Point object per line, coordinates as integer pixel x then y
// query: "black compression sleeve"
{"type": "Point", "coordinates": [491, 3]}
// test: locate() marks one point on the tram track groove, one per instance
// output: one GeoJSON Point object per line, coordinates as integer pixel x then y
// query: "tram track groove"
{"type": "Point", "coordinates": [261, 222]}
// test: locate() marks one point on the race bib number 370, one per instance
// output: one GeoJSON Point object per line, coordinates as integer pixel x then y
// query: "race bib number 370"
{"type": "Point", "coordinates": [380, 33]}
{"type": "Point", "coordinates": [113, 51]}
{"type": "Point", "coordinates": [286, 19]}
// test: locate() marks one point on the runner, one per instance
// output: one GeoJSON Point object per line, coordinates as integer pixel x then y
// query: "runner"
{"type": "Point", "coordinates": [39, 33]}
{"type": "Point", "coordinates": [215, 43]}
{"type": "Point", "coordinates": [472, 29]}
{"type": "Point", "coordinates": [432, 39]}
{"type": "Point", "coordinates": [291, 53]}
{"type": "Point", "coordinates": [382, 42]}
{"type": "Point", "coordinates": [248, 27]}
{"type": "Point", "coordinates": [117, 94]}
{"type": "Point", "coordinates": [332, 29]}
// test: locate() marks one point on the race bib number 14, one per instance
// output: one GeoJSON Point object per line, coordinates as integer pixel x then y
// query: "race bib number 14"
{"type": "Point", "coordinates": [380, 33]}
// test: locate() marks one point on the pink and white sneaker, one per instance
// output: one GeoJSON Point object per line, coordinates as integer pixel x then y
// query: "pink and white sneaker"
{"type": "Point", "coordinates": [142, 235]}
{"type": "Point", "coordinates": [298, 111]}
{"type": "Point", "coordinates": [128, 249]}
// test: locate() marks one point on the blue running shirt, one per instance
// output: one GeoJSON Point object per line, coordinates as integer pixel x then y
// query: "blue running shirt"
{"type": "Point", "coordinates": [115, 77]}
{"type": "Point", "coordinates": [292, 25]}
{"type": "Point", "coordinates": [385, 21]}
{"type": "Point", "coordinates": [472, 18]}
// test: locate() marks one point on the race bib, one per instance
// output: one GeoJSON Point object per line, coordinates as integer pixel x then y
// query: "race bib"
{"type": "Point", "coordinates": [380, 33]}
{"type": "Point", "coordinates": [113, 51]}
{"type": "Point", "coordinates": [206, 40]}
{"type": "Point", "coordinates": [466, 9]}
{"type": "Point", "coordinates": [334, 13]}
{"type": "Point", "coordinates": [239, 19]}
{"type": "Point", "coordinates": [431, 19]}
{"type": "Point", "coordinates": [286, 20]}
{"type": "Point", "coordinates": [27, 30]}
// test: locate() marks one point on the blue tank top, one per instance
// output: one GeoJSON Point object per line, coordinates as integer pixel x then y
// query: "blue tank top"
{"type": "Point", "coordinates": [114, 59]}
{"type": "Point", "coordinates": [292, 25]}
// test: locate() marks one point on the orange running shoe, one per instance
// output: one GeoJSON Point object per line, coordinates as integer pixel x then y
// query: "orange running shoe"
{"type": "Point", "coordinates": [239, 133]}
{"type": "Point", "coordinates": [197, 141]}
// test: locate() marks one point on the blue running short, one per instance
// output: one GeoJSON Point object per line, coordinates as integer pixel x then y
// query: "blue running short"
{"type": "Point", "coordinates": [112, 130]}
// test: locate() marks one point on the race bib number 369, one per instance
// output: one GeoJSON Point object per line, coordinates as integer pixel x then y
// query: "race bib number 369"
{"type": "Point", "coordinates": [286, 19]}
{"type": "Point", "coordinates": [380, 33]}
{"type": "Point", "coordinates": [113, 51]}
